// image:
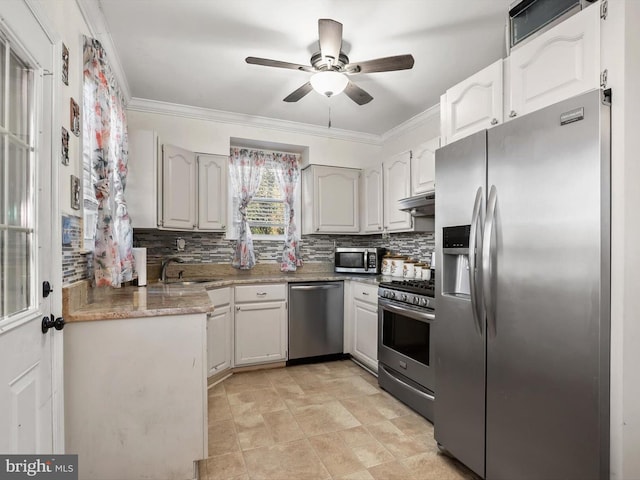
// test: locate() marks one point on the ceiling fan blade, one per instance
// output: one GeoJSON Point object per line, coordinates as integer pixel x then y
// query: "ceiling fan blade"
{"type": "Point", "coordinates": [299, 93]}
{"type": "Point", "coordinates": [357, 94]}
{"type": "Point", "coordinates": [386, 64]}
{"type": "Point", "coordinates": [277, 63]}
{"type": "Point", "coordinates": [330, 38]}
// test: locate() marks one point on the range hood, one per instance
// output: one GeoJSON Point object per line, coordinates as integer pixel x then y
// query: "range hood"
{"type": "Point", "coordinates": [422, 205]}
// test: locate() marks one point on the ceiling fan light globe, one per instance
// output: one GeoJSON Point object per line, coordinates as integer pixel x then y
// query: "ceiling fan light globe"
{"type": "Point", "coordinates": [329, 83]}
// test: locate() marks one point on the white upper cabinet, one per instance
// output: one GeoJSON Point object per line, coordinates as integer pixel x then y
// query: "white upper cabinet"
{"type": "Point", "coordinates": [372, 205]}
{"type": "Point", "coordinates": [560, 63]}
{"type": "Point", "coordinates": [141, 193]}
{"type": "Point", "coordinates": [212, 192]}
{"type": "Point", "coordinates": [330, 197]}
{"type": "Point", "coordinates": [397, 185]}
{"type": "Point", "coordinates": [179, 187]}
{"type": "Point", "coordinates": [423, 166]}
{"type": "Point", "coordinates": [473, 104]}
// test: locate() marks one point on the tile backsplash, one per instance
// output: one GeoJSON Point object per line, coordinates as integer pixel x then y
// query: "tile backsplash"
{"type": "Point", "coordinates": [76, 263]}
{"type": "Point", "coordinates": [209, 247]}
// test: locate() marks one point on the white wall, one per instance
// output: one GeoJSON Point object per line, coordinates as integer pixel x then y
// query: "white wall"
{"type": "Point", "coordinates": [66, 19]}
{"type": "Point", "coordinates": [210, 136]}
{"type": "Point", "coordinates": [412, 133]}
{"type": "Point", "coordinates": [620, 56]}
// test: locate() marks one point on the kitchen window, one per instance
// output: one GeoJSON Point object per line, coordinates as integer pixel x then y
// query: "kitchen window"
{"type": "Point", "coordinates": [267, 210]}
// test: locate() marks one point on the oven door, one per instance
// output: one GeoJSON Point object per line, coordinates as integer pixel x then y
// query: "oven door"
{"type": "Point", "coordinates": [404, 341]}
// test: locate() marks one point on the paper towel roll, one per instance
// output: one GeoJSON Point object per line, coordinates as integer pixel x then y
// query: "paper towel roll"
{"type": "Point", "coordinates": [140, 257]}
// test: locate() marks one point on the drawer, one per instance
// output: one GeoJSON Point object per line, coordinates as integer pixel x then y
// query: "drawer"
{"type": "Point", "coordinates": [220, 296]}
{"type": "Point", "coordinates": [365, 292]}
{"type": "Point", "coordinates": [261, 293]}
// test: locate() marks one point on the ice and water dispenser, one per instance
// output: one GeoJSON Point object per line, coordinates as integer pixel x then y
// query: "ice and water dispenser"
{"type": "Point", "coordinates": [455, 260]}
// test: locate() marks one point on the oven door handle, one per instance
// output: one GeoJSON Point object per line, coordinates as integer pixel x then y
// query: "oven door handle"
{"type": "Point", "coordinates": [407, 311]}
{"type": "Point", "coordinates": [406, 385]}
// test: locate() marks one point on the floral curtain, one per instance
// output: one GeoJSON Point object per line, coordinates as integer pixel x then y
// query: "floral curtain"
{"type": "Point", "coordinates": [288, 173]}
{"type": "Point", "coordinates": [105, 126]}
{"type": "Point", "coordinates": [245, 172]}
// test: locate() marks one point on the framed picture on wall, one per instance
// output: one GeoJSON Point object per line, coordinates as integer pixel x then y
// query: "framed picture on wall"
{"type": "Point", "coordinates": [75, 118]}
{"type": "Point", "coordinates": [75, 192]}
{"type": "Point", "coordinates": [65, 64]}
{"type": "Point", "coordinates": [65, 146]}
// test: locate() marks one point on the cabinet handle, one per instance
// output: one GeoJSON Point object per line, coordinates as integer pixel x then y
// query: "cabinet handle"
{"type": "Point", "coordinates": [379, 228]}
{"type": "Point", "coordinates": [223, 226]}
{"type": "Point", "coordinates": [512, 114]}
{"type": "Point", "coordinates": [194, 226]}
{"type": "Point", "coordinates": [494, 121]}
{"type": "Point", "coordinates": [365, 293]}
{"type": "Point", "coordinates": [237, 309]}
{"type": "Point", "coordinates": [261, 294]}
{"type": "Point", "coordinates": [318, 229]}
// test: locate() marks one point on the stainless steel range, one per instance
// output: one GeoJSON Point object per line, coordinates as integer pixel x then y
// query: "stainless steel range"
{"type": "Point", "coordinates": [406, 312]}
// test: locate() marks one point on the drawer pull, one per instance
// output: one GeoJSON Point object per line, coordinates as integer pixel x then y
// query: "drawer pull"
{"type": "Point", "coordinates": [261, 294]}
{"type": "Point", "coordinates": [365, 293]}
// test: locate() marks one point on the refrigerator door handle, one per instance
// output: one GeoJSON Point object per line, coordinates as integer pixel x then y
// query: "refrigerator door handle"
{"type": "Point", "coordinates": [487, 264]}
{"type": "Point", "coordinates": [476, 223]}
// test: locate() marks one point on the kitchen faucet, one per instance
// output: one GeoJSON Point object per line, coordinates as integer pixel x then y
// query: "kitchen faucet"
{"type": "Point", "coordinates": [165, 264]}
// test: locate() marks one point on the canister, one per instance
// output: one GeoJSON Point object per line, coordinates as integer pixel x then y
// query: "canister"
{"type": "Point", "coordinates": [409, 269]}
{"type": "Point", "coordinates": [397, 265]}
{"type": "Point", "coordinates": [386, 264]}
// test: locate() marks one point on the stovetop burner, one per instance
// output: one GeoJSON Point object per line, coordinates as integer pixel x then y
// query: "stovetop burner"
{"type": "Point", "coordinates": [423, 287]}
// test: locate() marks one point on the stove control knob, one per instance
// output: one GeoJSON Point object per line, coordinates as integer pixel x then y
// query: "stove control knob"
{"type": "Point", "coordinates": [392, 295]}
{"type": "Point", "coordinates": [416, 300]}
{"type": "Point", "coordinates": [423, 302]}
{"type": "Point", "coordinates": [404, 297]}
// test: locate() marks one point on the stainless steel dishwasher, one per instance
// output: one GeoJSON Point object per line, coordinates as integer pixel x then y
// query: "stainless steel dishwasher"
{"type": "Point", "coordinates": [316, 319]}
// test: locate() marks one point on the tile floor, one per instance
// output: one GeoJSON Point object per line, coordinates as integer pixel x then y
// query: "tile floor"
{"type": "Point", "coordinates": [320, 421]}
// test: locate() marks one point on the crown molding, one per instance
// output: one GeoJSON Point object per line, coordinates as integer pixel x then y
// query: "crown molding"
{"type": "Point", "coordinates": [412, 123]}
{"type": "Point", "coordinates": [199, 113]}
{"type": "Point", "coordinates": [99, 29]}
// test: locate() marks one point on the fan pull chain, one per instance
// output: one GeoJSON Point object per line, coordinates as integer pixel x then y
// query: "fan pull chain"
{"type": "Point", "coordinates": [329, 126]}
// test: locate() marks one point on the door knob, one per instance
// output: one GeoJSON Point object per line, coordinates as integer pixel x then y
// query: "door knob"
{"type": "Point", "coordinates": [52, 322]}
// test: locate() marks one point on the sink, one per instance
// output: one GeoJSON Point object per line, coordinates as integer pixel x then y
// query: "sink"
{"type": "Point", "coordinates": [191, 282]}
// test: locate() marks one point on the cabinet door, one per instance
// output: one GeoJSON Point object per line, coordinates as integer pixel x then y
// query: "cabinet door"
{"type": "Point", "coordinates": [372, 209]}
{"type": "Point", "coordinates": [336, 199]}
{"type": "Point", "coordinates": [423, 166]}
{"type": "Point", "coordinates": [260, 333]}
{"type": "Point", "coordinates": [219, 340]}
{"type": "Point", "coordinates": [142, 179]}
{"type": "Point", "coordinates": [179, 171]}
{"type": "Point", "coordinates": [560, 63]}
{"type": "Point", "coordinates": [473, 104]}
{"type": "Point", "coordinates": [212, 192]}
{"type": "Point", "coordinates": [396, 182]}
{"type": "Point", "coordinates": [365, 333]}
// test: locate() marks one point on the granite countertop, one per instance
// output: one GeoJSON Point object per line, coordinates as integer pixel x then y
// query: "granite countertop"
{"type": "Point", "coordinates": [157, 299]}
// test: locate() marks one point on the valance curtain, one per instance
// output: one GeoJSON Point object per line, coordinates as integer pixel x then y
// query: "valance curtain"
{"type": "Point", "coordinates": [245, 173]}
{"type": "Point", "coordinates": [105, 125]}
{"type": "Point", "coordinates": [288, 173]}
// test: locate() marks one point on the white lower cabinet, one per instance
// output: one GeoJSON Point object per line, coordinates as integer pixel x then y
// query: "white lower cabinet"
{"type": "Point", "coordinates": [219, 332]}
{"type": "Point", "coordinates": [364, 324]}
{"type": "Point", "coordinates": [260, 317]}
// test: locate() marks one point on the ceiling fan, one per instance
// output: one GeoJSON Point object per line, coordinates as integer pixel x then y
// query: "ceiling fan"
{"type": "Point", "coordinates": [331, 66]}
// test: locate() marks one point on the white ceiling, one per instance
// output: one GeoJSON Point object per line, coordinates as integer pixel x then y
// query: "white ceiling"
{"type": "Point", "coordinates": [191, 52]}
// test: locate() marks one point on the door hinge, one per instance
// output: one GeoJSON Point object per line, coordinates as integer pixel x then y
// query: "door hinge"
{"type": "Point", "coordinates": [603, 78]}
{"type": "Point", "coordinates": [604, 9]}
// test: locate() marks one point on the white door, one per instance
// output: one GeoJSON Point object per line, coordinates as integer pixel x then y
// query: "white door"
{"type": "Point", "coordinates": [372, 200]}
{"type": "Point", "coordinates": [26, 424]}
{"type": "Point", "coordinates": [212, 192]}
{"type": "Point", "coordinates": [561, 63]}
{"type": "Point", "coordinates": [396, 184]}
{"type": "Point", "coordinates": [473, 104]}
{"type": "Point", "coordinates": [336, 200]}
{"type": "Point", "coordinates": [179, 194]}
{"type": "Point", "coordinates": [423, 166]}
{"type": "Point", "coordinates": [261, 333]}
{"type": "Point", "coordinates": [365, 334]}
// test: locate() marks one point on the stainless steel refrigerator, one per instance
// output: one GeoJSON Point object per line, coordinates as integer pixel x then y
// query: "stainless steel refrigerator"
{"type": "Point", "coordinates": [523, 295]}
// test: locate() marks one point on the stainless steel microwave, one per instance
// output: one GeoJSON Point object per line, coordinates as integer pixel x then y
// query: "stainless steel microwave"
{"type": "Point", "coordinates": [358, 259]}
